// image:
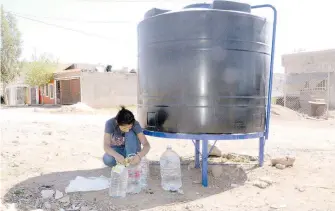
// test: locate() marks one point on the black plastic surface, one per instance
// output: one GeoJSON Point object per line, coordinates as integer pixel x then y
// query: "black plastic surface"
{"type": "Point", "coordinates": [203, 71]}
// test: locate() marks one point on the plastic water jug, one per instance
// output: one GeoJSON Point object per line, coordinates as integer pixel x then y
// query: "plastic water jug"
{"type": "Point", "coordinates": [134, 178]}
{"type": "Point", "coordinates": [144, 172]}
{"type": "Point", "coordinates": [118, 181]}
{"type": "Point", "coordinates": [170, 170]}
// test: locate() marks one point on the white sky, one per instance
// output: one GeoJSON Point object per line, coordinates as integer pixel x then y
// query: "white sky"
{"type": "Point", "coordinates": [301, 24]}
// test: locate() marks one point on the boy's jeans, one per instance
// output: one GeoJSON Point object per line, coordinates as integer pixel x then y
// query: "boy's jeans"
{"type": "Point", "coordinates": [132, 146]}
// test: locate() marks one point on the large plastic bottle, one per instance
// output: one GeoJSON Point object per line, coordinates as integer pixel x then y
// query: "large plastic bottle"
{"type": "Point", "coordinates": [144, 172]}
{"type": "Point", "coordinates": [118, 181]}
{"type": "Point", "coordinates": [170, 170]}
{"type": "Point", "coordinates": [134, 178]}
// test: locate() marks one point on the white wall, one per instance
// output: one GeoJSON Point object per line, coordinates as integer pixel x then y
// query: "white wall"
{"type": "Point", "coordinates": [108, 89]}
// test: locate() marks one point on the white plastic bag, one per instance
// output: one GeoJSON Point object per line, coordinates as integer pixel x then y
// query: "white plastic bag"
{"type": "Point", "coordinates": [82, 184]}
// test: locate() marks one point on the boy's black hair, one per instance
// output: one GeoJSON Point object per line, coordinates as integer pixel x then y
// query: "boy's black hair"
{"type": "Point", "coordinates": [125, 117]}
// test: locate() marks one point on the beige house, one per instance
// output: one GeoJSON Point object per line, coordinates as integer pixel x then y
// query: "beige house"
{"type": "Point", "coordinates": [93, 86]}
{"type": "Point", "coordinates": [309, 77]}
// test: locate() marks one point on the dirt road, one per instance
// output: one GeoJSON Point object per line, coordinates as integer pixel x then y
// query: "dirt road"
{"type": "Point", "coordinates": [43, 150]}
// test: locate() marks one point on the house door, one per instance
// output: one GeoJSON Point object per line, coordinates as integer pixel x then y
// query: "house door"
{"type": "Point", "coordinates": [58, 93]}
{"type": "Point", "coordinates": [33, 96]}
{"type": "Point", "coordinates": [70, 91]}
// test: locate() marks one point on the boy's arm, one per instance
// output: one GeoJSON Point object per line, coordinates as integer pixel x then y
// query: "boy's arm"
{"type": "Point", "coordinates": [109, 130]}
{"type": "Point", "coordinates": [141, 137]}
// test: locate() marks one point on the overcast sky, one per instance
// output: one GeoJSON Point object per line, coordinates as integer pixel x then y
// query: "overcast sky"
{"type": "Point", "coordinates": [302, 24]}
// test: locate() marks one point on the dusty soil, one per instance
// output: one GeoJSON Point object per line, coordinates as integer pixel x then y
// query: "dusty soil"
{"type": "Point", "coordinates": [41, 150]}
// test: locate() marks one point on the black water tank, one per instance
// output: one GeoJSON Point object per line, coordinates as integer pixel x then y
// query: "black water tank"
{"type": "Point", "coordinates": [203, 70]}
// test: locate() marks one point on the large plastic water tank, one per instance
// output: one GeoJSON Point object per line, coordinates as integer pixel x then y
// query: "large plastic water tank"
{"type": "Point", "coordinates": [203, 69]}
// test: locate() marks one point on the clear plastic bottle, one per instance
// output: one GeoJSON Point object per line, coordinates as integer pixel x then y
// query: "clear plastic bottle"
{"type": "Point", "coordinates": [134, 178]}
{"type": "Point", "coordinates": [144, 172]}
{"type": "Point", "coordinates": [118, 182]}
{"type": "Point", "coordinates": [170, 170]}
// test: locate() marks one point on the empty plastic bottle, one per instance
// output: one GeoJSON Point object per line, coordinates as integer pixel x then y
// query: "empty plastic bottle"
{"type": "Point", "coordinates": [170, 170]}
{"type": "Point", "coordinates": [144, 172]}
{"type": "Point", "coordinates": [134, 178]}
{"type": "Point", "coordinates": [118, 181]}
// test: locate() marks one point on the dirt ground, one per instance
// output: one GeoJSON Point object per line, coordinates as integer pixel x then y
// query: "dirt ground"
{"type": "Point", "coordinates": [46, 148]}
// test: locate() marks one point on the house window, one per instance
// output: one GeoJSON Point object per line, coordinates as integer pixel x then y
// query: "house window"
{"type": "Point", "coordinates": [46, 90]}
{"type": "Point", "coordinates": [51, 91]}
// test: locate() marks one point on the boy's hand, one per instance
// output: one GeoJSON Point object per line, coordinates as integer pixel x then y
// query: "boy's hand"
{"type": "Point", "coordinates": [120, 159]}
{"type": "Point", "coordinates": [135, 160]}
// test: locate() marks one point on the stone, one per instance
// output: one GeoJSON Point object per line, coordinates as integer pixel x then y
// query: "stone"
{"type": "Point", "coordinates": [286, 161]}
{"type": "Point", "coordinates": [47, 205]}
{"type": "Point", "coordinates": [278, 206]}
{"type": "Point", "coordinates": [216, 152]}
{"type": "Point", "coordinates": [280, 166]}
{"type": "Point", "coordinates": [65, 200]}
{"type": "Point", "coordinates": [260, 184]}
{"type": "Point", "coordinates": [234, 185]}
{"type": "Point", "coordinates": [84, 208]}
{"type": "Point", "coordinates": [58, 194]}
{"type": "Point", "coordinates": [47, 133]}
{"type": "Point", "coordinates": [191, 165]}
{"type": "Point", "coordinates": [180, 191]}
{"type": "Point", "coordinates": [267, 180]}
{"type": "Point", "coordinates": [47, 194]}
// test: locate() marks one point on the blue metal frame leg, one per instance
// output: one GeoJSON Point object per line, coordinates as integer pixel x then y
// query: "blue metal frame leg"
{"type": "Point", "coordinates": [204, 161]}
{"type": "Point", "coordinates": [197, 154]}
{"type": "Point", "coordinates": [261, 151]}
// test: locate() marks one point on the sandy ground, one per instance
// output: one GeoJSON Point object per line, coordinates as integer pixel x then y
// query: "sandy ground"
{"type": "Point", "coordinates": [45, 150]}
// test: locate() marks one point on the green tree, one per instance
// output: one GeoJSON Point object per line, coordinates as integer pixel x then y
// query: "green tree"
{"type": "Point", "coordinates": [10, 49]}
{"type": "Point", "coordinates": [40, 70]}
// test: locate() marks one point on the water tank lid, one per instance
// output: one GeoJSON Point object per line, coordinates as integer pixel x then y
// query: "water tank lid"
{"type": "Point", "coordinates": [198, 5]}
{"type": "Point", "coordinates": [217, 5]}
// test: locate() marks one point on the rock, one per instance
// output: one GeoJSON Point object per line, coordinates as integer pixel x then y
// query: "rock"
{"type": "Point", "coordinates": [84, 208]}
{"type": "Point", "coordinates": [191, 166]}
{"type": "Point", "coordinates": [215, 151]}
{"type": "Point", "coordinates": [278, 206]}
{"type": "Point", "coordinates": [300, 189]}
{"type": "Point", "coordinates": [286, 161]}
{"type": "Point", "coordinates": [180, 191]}
{"type": "Point", "coordinates": [280, 166]}
{"type": "Point", "coordinates": [216, 171]}
{"type": "Point", "coordinates": [266, 180]}
{"type": "Point", "coordinates": [47, 205]}
{"type": "Point", "coordinates": [74, 207]}
{"type": "Point", "coordinates": [47, 133]}
{"type": "Point", "coordinates": [47, 193]}
{"type": "Point", "coordinates": [65, 200]}
{"type": "Point", "coordinates": [260, 184]}
{"type": "Point", "coordinates": [58, 194]}
{"type": "Point", "coordinates": [234, 185]}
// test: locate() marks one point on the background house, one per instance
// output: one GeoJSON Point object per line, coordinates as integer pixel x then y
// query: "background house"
{"type": "Point", "coordinates": [92, 85]}
{"type": "Point", "coordinates": [309, 76]}
{"type": "Point", "coordinates": [18, 93]}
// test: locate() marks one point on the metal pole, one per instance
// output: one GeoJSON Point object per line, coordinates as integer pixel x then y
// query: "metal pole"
{"type": "Point", "coordinates": [268, 109]}
{"type": "Point", "coordinates": [197, 154]}
{"type": "Point", "coordinates": [204, 161]}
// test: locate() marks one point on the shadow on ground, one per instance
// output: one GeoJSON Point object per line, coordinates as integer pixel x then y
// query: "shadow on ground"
{"type": "Point", "coordinates": [26, 195]}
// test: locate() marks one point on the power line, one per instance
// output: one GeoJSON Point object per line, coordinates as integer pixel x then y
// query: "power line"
{"type": "Point", "coordinates": [70, 20]}
{"type": "Point", "coordinates": [65, 28]}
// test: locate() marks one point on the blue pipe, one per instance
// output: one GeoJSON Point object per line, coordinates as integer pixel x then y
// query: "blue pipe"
{"type": "Point", "coordinates": [268, 108]}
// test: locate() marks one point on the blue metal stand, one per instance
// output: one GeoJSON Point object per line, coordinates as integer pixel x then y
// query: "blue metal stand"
{"type": "Point", "coordinates": [262, 136]}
